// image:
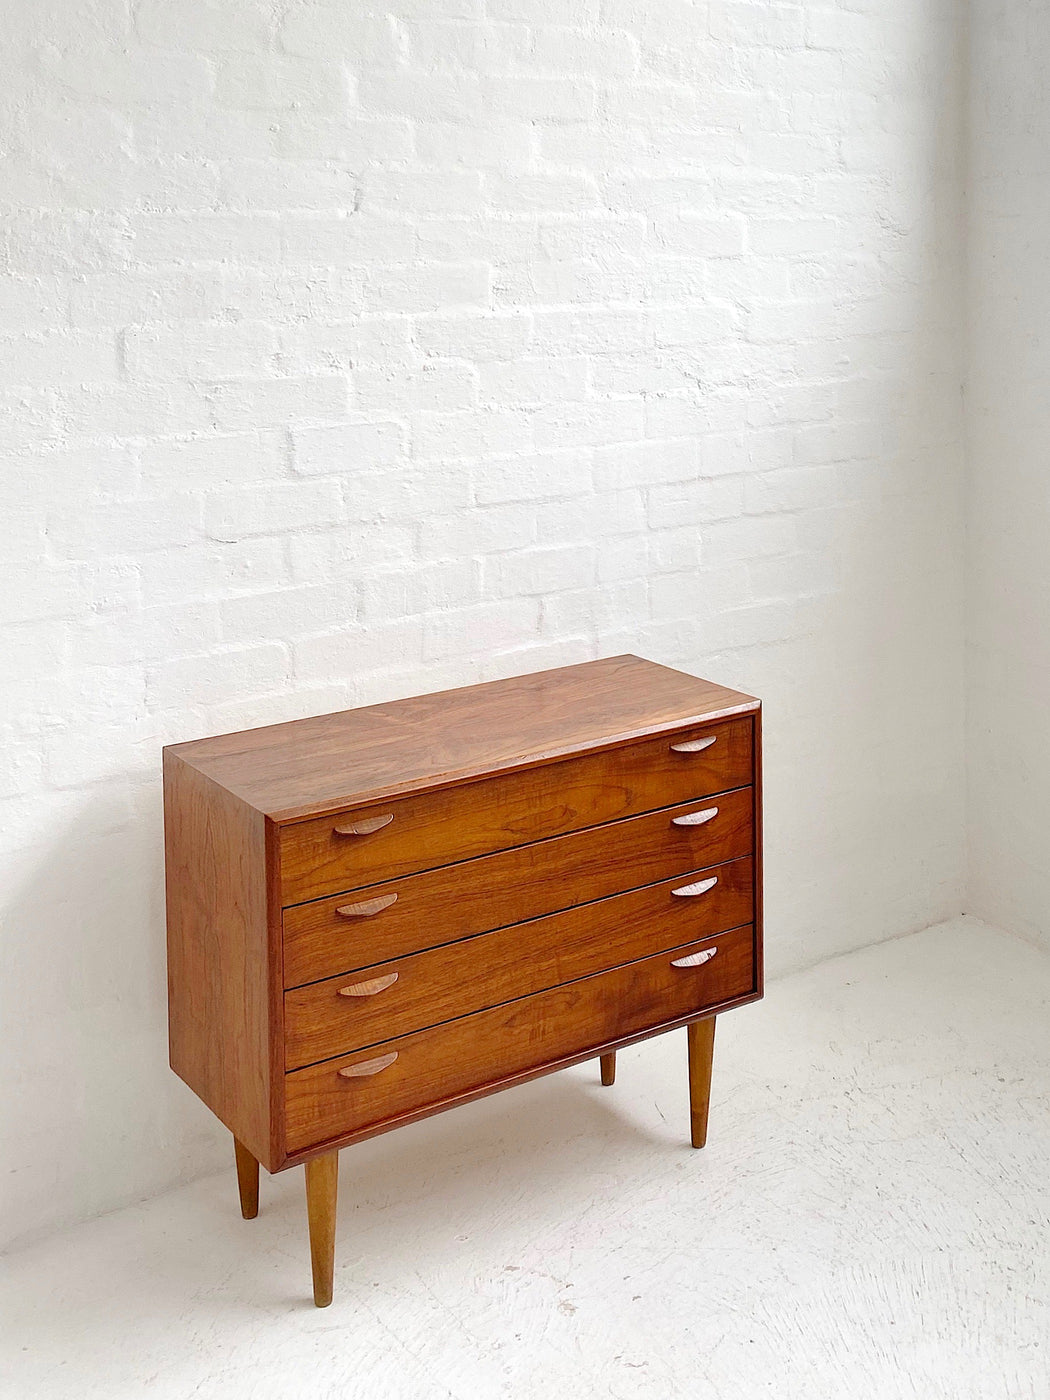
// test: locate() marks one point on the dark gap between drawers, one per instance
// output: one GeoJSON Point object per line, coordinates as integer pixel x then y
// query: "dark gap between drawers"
{"type": "Point", "coordinates": [483, 855]}
{"type": "Point", "coordinates": [515, 923]}
{"type": "Point", "coordinates": [450, 1020]}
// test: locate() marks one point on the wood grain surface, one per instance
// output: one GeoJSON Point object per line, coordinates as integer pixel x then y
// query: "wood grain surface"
{"type": "Point", "coordinates": [309, 766]}
{"type": "Point", "coordinates": [459, 900]}
{"type": "Point", "coordinates": [322, 1194]}
{"type": "Point", "coordinates": [701, 1043]}
{"type": "Point", "coordinates": [223, 1019]}
{"type": "Point", "coordinates": [434, 1067]}
{"type": "Point", "coordinates": [455, 824]}
{"type": "Point", "coordinates": [467, 976]}
{"type": "Point", "coordinates": [469, 815]}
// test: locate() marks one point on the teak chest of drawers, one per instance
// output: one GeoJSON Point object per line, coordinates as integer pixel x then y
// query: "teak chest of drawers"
{"type": "Point", "coordinates": [376, 915]}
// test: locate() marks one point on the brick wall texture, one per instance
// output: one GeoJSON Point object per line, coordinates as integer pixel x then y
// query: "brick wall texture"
{"type": "Point", "coordinates": [353, 351]}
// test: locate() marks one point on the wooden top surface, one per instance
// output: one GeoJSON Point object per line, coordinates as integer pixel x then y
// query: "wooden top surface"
{"type": "Point", "coordinates": [308, 767]}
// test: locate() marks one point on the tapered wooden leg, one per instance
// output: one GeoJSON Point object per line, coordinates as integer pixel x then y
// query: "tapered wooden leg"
{"type": "Point", "coordinates": [609, 1068]}
{"type": "Point", "coordinates": [322, 1182]}
{"type": "Point", "coordinates": [247, 1180]}
{"type": "Point", "coordinates": [701, 1052]}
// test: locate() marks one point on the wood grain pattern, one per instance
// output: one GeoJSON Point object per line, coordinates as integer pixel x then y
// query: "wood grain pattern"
{"type": "Point", "coordinates": [371, 987]}
{"type": "Point", "coordinates": [475, 973]}
{"type": "Point", "coordinates": [701, 1042]}
{"type": "Point", "coordinates": [457, 901]}
{"type": "Point", "coordinates": [460, 892]}
{"type": "Point", "coordinates": [322, 1194]}
{"type": "Point", "coordinates": [365, 908]}
{"type": "Point", "coordinates": [364, 1069]}
{"type": "Point", "coordinates": [309, 766]}
{"type": "Point", "coordinates": [758, 848]}
{"type": "Point", "coordinates": [221, 1031]}
{"type": "Point", "coordinates": [247, 1180]}
{"type": "Point", "coordinates": [362, 826]}
{"type": "Point", "coordinates": [456, 824]}
{"type": "Point", "coordinates": [435, 1067]}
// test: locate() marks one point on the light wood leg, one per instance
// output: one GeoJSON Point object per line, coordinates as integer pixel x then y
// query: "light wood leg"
{"type": "Point", "coordinates": [609, 1068]}
{"type": "Point", "coordinates": [701, 1052]}
{"type": "Point", "coordinates": [322, 1183]}
{"type": "Point", "coordinates": [247, 1180]}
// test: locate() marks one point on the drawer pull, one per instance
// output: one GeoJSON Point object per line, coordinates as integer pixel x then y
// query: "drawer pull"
{"type": "Point", "coordinates": [365, 826]}
{"type": "Point", "coordinates": [695, 818]}
{"type": "Point", "coordinates": [692, 960]}
{"type": "Point", "coordinates": [369, 988]}
{"type": "Point", "coordinates": [367, 1067]}
{"type": "Point", "coordinates": [366, 907]}
{"type": "Point", "coordinates": [701, 887]}
{"type": "Point", "coordinates": [694, 745]}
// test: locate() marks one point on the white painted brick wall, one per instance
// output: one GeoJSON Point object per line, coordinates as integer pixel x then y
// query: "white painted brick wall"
{"type": "Point", "coordinates": [348, 353]}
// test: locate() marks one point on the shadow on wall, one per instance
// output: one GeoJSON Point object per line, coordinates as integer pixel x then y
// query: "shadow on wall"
{"type": "Point", "coordinates": [94, 1117]}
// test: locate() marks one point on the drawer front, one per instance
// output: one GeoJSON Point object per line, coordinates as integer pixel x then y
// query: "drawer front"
{"type": "Point", "coordinates": [421, 911]}
{"type": "Point", "coordinates": [345, 1013]}
{"type": "Point", "coordinates": [437, 1066]}
{"type": "Point", "coordinates": [364, 847]}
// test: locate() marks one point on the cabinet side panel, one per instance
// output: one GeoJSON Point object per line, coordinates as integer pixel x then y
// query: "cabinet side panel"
{"type": "Point", "coordinates": [219, 1021]}
{"type": "Point", "coordinates": [759, 854]}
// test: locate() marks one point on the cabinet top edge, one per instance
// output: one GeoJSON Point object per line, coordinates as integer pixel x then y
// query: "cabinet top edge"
{"type": "Point", "coordinates": [315, 765]}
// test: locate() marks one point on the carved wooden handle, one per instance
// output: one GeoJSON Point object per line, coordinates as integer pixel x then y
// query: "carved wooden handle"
{"type": "Point", "coordinates": [693, 745]}
{"type": "Point", "coordinates": [367, 1067]}
{"type": "Point", "coordinates": [370, 988]}
{"type": "Point", "coordinates": [366, 907]}
{"type": "Point", "coordinates": [692, 960]}
{"type": "Point", "coordinates": [701, 887]}
{"type": "Point", "coordinates": [695, 818]}
{"type": "Point", "coordinates": [364, 826]}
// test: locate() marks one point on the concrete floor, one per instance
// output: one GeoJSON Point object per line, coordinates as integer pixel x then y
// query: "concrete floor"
{"type": "Point", "coordinates": [870, 1219]}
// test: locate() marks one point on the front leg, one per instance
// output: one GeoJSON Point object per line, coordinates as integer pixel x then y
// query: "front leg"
{"type": "Point", "coordinates": [322, 1183]}
{"type": "Point", "coordinates": [701, 1055]}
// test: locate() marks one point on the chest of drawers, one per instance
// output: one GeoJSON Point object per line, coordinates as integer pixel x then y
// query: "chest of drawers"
{"type": "Point", "coordinates": [380, 914]}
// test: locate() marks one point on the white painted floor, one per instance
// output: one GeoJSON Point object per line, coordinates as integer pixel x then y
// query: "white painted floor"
{"type": "Point", "coordinates": [870, 1219]}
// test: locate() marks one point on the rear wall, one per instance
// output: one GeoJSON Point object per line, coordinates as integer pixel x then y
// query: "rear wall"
{"type": "Point", "coordinates": [1008, 417]}
{"type": "Point", "coordinates": [349, 353]}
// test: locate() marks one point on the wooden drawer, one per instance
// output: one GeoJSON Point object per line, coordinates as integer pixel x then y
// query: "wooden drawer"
{"type": "Point", "coordinates": [437, 828]}
{"type": "Point", "coordinates": [457, 901]}
{"type": "Point", "coordinates": [335, 1016]}
{"type": "Point", "coordinates": [438, 1066]}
